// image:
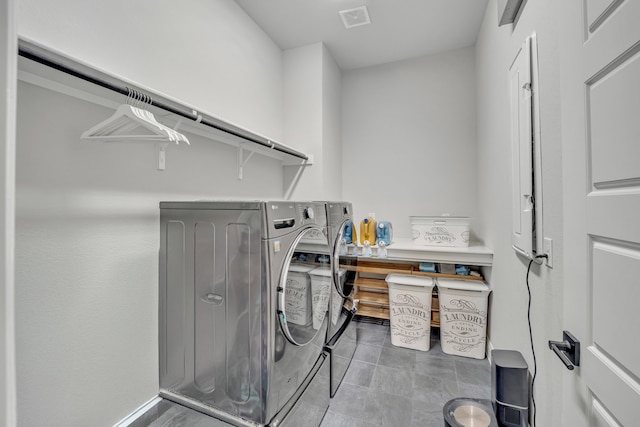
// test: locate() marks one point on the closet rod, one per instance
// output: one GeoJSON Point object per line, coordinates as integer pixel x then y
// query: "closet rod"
{"type": "Point", "coordinates": [42, 56]}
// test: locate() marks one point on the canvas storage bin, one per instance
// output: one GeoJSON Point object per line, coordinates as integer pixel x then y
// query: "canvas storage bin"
{"type": "Point", "coordinates": [410, 310]}
{"type": "Point", "coordinates": [463, 317]}
{"type": "Point", "coordinates": [440, 230]}
{"type": "Point", "coordinates": [297, 295]}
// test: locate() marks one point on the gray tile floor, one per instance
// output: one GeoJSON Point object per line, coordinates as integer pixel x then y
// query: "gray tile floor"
{"type": "Point", "coordinates": [393, 386]}
{"type": "Point", "coordinates": [384, 386]}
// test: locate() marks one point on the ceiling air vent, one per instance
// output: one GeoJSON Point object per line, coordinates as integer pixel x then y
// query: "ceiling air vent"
{"type": "Point", "coordinates": [355, 17]}
{"type": "Point", "coordinates": [507, 11]}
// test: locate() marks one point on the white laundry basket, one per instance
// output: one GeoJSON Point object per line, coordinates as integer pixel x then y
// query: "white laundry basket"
{"type": "Point", "coordinates": [320, 291]}
{"type": "Point", "coordinates": [321, 278]}
{"type": "Point", "coordinates": [463, 317]}
{"type": "Point", "coordinates": [410, 308]}
{"type": "Point", "coordinates": [298, 294]}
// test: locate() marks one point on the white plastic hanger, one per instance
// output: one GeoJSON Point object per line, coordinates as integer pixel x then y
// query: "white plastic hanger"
{"type": "Point", "coordinates": [130, 123]}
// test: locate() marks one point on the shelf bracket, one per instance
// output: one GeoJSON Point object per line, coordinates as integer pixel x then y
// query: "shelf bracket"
{"type": "Point", "coordinates": [242, 160]}
{"type": "Point", "coordinates": [178, 123]}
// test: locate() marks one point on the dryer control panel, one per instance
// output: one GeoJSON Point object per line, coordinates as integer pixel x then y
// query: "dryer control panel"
{"type": "Point", "coordinates": [281, 218]}
{"type": "Point", "coordinates": [312, 213]}
{"type": "Point", "coordinates": [337, 212]}
{"type": "Point", "coordinates": [285, 217]}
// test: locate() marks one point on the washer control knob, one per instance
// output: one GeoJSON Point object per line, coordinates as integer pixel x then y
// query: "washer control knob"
{"type": "Point", "coordinates": [308, 213]}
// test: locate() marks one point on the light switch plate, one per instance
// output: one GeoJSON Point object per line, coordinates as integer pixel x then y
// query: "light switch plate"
{"type": "Point", "coordinates": [548, 250]}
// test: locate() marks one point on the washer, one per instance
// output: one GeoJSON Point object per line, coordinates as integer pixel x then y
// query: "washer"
{"type": "Point", "coordinates": [342, 332]}
{"type": "Point", "coordinates": [227, 347]}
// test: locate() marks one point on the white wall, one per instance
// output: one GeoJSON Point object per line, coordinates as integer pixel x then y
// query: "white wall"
{"type": "Point", "coordinates": [87, 240]}
{"type": "Point", "coordinates": [303, 117]}
{"type": "Point", "coordinates": [209, 54]}
{"type": "Point", "coordinates": [87, 213]}
{"type": "Point", "coordinates": [331, 127]}
{"type": "Point", "coordinates": [312, 82]}
{"type": "Point", "coordinates": [409, 138]}
{"type": "Point", "coordinates": [495, 49]}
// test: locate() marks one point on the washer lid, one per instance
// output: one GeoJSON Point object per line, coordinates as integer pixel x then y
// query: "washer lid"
{"type": "Point", "coordinates": [463, 285]}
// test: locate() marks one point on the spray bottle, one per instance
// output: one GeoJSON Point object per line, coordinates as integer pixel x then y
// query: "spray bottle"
{"type": "Point", "coordinates": [382, 249]}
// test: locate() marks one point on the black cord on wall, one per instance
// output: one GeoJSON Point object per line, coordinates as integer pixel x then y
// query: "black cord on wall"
{"type": "Point", "coordinates": [533, 351]}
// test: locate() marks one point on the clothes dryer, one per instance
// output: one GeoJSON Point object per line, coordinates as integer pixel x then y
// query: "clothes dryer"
{"type": "Point", "coordinates": [342, 331]}
{"type": "Point", "coordinates": [227, 347]}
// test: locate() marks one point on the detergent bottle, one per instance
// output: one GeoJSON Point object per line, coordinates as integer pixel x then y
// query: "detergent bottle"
{"type": "Point", "coordinates": [384, 233]}
{"type": "Point", "coordinates": [368, 231]}
{"type": "Point", "coordinates": [354, 235]}
{"type": "Point", "coordinates": [348, 232]}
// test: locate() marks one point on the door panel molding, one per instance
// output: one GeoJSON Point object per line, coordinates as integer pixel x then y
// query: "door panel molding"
{"type": "Point", "coordinates": [599, 10]}
{"type": "Point", "coordinates": [617, 39]}
{"type": "Point", "coordinates": [600, 417]}
{"type": "Point", "coordinates": [612, 98]}
{"type": "Point", "coordinates": [615, 302]}
{"type": "Point", "coordinates": [613, 215]}
{"type": "Point", "coordinates": [617, 390]}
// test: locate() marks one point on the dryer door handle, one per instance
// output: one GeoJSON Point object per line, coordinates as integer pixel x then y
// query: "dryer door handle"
{"type": "Point", "coordinates": [283, 223]}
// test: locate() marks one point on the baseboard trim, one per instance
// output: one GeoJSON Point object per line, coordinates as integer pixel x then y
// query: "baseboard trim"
{"type": "Point", "coordinates": [126, 421]}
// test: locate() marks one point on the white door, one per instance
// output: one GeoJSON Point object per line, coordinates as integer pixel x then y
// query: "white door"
{"type": "Point", "coordinates": [8, 73]}
{"type": "Point", "coordinates": [600, 66]}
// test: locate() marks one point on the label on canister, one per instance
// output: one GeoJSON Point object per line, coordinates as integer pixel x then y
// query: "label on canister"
{"type": "Point", "coordinates": [411, 320]}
